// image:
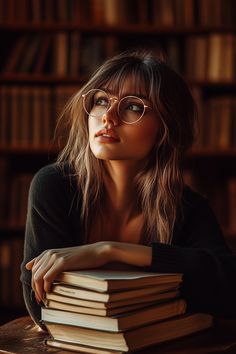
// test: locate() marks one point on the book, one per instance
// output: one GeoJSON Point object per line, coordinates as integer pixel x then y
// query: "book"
{"type": "Point", "coordinates": [78, 347]}
{"type": "Point", "coordinates": [111, 298]}
{"type": "Point", "coordinates": [93, 311]}
{"type": "Point", "coordinates": [76, 306]}
{"type": "Point", "coordinates": [16, 55]}
{"type": "Point", "coordinates": [135, 339]}
{"type": "Point", "coordinates": [159, 296]}
{"type": "Point", "coordinates": [116, 323]}
{"type": "Point", "coordinates": [111, 280]}
{"type": "Point", "coordinates": [214, 65]}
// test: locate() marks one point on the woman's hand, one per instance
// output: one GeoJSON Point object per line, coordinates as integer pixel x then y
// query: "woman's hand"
{"type": "Point", "coordinates": [50, 263]}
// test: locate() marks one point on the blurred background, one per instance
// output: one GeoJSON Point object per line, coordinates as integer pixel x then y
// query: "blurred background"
{"type": "Point", "coordinates": [50, 47]}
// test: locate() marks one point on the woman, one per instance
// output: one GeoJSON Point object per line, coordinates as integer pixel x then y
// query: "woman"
{"type": "Point", "coordinates": [116, 194]}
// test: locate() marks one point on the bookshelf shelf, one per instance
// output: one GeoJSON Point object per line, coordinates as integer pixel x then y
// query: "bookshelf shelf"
{"type": "Point", "coordinates": [25, 78]}
{"type": "Point", "coordinates": [125, 29]}
{"type": "Point", "coordinates": [30, 78]}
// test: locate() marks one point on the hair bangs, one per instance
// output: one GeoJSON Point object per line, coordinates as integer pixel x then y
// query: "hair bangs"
{"type": "Point", "coordinates": [141, 80]}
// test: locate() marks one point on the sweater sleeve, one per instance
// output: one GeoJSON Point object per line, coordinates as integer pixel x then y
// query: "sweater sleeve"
{"type": "Point", "coordinates": [49, 224]}
{"type": "Point", "coordinates": [208, 266]}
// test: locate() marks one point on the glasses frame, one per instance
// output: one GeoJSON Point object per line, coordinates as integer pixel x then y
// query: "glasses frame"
{"type": "Point", "coordinates": [110, 99]}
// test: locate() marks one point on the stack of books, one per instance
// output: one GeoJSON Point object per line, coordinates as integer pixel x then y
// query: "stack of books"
{"type": "Point", "coordinates": [108, 311]}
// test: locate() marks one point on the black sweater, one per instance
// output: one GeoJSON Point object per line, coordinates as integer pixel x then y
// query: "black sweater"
{"type": "Point", "coordinates": [198, 249]}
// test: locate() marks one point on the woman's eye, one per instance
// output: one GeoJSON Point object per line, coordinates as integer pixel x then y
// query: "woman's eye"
{"type": "Point", "coordinates": [101, 101]}
{"type": "Point", "coordinates": [133, 107]}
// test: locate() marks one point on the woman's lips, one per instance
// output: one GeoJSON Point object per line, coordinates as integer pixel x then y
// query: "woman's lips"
{"type": "Point", "coordinates": [107, 136]}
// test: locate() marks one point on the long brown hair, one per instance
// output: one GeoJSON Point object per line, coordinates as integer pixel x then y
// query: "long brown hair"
{"type": "Point", "coordinates": [160, 183]}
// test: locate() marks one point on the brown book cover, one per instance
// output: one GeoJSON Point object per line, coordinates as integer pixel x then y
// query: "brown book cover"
{"type": "Point", "coordinates": [188, 9]}
{"type": "Point", "coordinates": [42, 55]}
{"type": "Point", "coordinates": [200, 58]}
{"type": "Point", "coordinates": [37, 11]}
{"type": "Point", "coordinates": [74, 57]}
{"type": "Point", "coordinates": [26, 114]}
{"type": "Point", "coordinates": [16, 55]}
{"type": "Point", "coordinates": [36, 129]}
{"type": "Point", "coordinates": [46, 119]}
{"type": "Point", "coordinates": [15, 116]}
{"type": "Point", "coordinates": [214, 67]}
{"type": "Point", "coordinates": [30, 56]}
{"type": "Point", "coordinates": [61, 53]}
{"type": "Point", "coordinates": [97, 12]}
{"type": "Point", "coordinates": [114, 12]}
{"type": "Point", "coordinates": [228, 57]}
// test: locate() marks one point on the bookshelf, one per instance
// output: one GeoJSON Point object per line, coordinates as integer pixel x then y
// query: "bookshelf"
{"type": "Point", "coordinates": [45, 59]}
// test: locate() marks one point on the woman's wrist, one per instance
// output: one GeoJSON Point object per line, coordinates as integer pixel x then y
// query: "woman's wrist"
{"type": "Point", "coordinates": [107, 251]}
{"type": "Point", "coordinates": [136, 255]}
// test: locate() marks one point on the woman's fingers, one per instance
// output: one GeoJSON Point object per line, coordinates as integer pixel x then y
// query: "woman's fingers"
{"type": "Point", "coordinates": [52, 273]}
{"type": "Point", "coordinates": [30, 264]}
{"type": "Point", "coordinates": [44, 272]}
{"type": "Point", "coordinates": [39, 269]}
{"type": "Point", "coordinates": [50, 263]}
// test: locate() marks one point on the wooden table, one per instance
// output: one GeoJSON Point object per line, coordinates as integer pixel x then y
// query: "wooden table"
{"type": "Point", "coordinates": [21, 336]}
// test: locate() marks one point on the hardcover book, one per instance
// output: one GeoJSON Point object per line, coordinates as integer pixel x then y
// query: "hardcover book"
{"type": "Point", "coordinates": [135, 339]}
{"type": "Point", "coordinates": [112, 280]}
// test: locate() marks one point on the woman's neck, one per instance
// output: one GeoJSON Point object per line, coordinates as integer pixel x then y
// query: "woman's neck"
{"type": "Point", "coordinates": [121, 191]}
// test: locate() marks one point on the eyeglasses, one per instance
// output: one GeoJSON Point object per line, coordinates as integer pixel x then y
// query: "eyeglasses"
{"type": "Point", "coordinates": [130, 109]}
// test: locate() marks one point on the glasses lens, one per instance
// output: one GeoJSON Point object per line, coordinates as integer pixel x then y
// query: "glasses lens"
{"type": "Point", "coordinates": [96, 102]}
{"type": "Point", "coordinates": [131, 109]}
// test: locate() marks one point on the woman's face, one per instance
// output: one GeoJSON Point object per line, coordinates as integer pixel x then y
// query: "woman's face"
{"type": "Point", "coordinates": [111, 139]}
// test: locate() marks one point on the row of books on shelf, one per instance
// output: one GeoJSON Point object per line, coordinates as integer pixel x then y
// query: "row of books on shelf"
{"type": "Point", "coordinates": [112, 311]}
{"type": "Point", "coordinates": [207, 57]}
{"type": "Point", "coordinates": [63, 53]}
{"type": "Point", "coordinates": [211, 57]}
{"type": "Point", "coordinates": [217, 123]}
{"type": "Point", "coordinates": [11, 255]}
{"type": "Point", "coordinates": [73, 54]}
{"type": "Point", "coordinates": [115, 12]}
{"type": "Point", "coordinates": [28, 115]}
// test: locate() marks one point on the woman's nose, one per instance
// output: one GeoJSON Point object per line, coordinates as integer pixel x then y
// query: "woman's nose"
{"type": "Point", "coordinates": [111, 116]}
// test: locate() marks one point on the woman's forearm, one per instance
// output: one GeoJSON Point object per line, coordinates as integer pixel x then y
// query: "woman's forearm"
{"type": "Point", "coordinates": [129, 253]}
